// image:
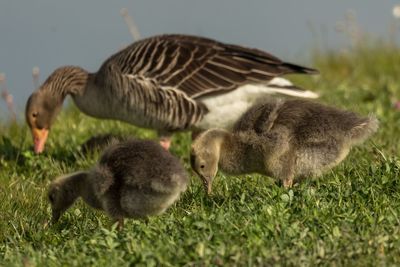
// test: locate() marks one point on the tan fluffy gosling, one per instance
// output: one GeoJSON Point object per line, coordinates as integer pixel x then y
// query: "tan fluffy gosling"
{"type": "Point", "coordinates": [283, 139]}
{"type": "Point", "coordinates": [133, 179]}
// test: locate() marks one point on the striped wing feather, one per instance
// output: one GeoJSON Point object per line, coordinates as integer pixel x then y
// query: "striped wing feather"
{"type": "Point", "coordinates": [198, 66]}
{"type": "Point", "coordinates": [166, 110]}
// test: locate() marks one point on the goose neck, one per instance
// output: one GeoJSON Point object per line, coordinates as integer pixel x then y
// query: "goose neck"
{"type": "Point", "coordinates": [68, 80]}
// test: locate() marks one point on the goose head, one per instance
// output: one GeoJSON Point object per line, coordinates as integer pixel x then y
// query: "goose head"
{"type": "Point", "coordinates": [40, 113]}
{"type": "Point", "coordinates": [44, 104]}
{"type": "Point", "coordinates": [205, 154]}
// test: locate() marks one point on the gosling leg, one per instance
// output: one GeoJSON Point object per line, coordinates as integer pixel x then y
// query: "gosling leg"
{"type": "Point", "coordinates": [120, 224]}
{"type": "Point", "coordinates": [286, 173]}
{"type": "Point", "coordinates": [288, 183]}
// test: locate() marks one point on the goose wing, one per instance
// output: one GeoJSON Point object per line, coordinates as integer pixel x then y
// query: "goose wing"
{"type": "Point", "coordinates": [198, 66]}
{"type": "Point", "coordinates": [165, 109]}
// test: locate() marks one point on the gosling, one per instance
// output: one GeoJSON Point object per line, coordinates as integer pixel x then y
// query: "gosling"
{"type": "Point", "coordinates": [134, 179]}
{"type": "Point", "coordinates": [283, 139]}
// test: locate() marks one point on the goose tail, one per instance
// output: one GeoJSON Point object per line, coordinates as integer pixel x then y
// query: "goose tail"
{"type": "Point", "coordinates": [293, 68]}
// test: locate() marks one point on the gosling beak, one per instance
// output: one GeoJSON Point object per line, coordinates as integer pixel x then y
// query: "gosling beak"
{"type": "Point", "coordinates": [207, 185]}
{"type": "Point", "coordinates": [55, 216]}
{"type": "Point", "coordinates": [39, 139]}
{"type": "Point", "coordinates": [209, 188]}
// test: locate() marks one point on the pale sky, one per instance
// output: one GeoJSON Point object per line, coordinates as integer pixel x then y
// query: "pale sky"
{"type": "Point", "coordinates": [52, 33]}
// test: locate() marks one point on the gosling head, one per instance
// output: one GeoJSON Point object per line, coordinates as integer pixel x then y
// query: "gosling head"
{"type": "Point", "coordinates": [62, 194]}
{"type": "Point", "coordinates": [204, 156]}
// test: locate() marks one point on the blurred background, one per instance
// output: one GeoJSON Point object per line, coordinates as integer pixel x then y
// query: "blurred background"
{"type": "Point", "coordinates": [49, 34]}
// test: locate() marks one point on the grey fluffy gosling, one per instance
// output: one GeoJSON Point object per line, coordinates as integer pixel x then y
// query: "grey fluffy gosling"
{"type": "Point", "coordinates": [133, 179]}
{"type": "Point", "coordinates": [282, 139]}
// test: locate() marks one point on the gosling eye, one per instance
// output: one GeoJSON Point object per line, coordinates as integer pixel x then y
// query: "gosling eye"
{"type": "Point", "coordinates": [202, 166]}
{"type": "Point", "coordinates": [51, 198]}
{"type": "Point", "coordinates": [35, 114]}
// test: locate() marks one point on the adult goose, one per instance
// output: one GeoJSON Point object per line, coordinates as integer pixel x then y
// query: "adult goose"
{"type": "Point", "coordinates": [168, 83]}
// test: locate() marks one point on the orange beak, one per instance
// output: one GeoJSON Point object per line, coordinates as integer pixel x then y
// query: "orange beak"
{"type": "Point", "coordinates": [39, 139]}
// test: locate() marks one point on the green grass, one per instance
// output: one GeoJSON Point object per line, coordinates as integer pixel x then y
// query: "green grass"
{"type": "Point", "coordinates": [350, 216]}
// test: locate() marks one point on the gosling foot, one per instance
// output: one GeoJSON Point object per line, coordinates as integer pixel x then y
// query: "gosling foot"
{"type": "Point", "coordinates": [288, 183]}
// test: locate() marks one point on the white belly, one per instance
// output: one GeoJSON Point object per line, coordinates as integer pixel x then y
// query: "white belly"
{"type": "Point", "coordinates": [225, 109]}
